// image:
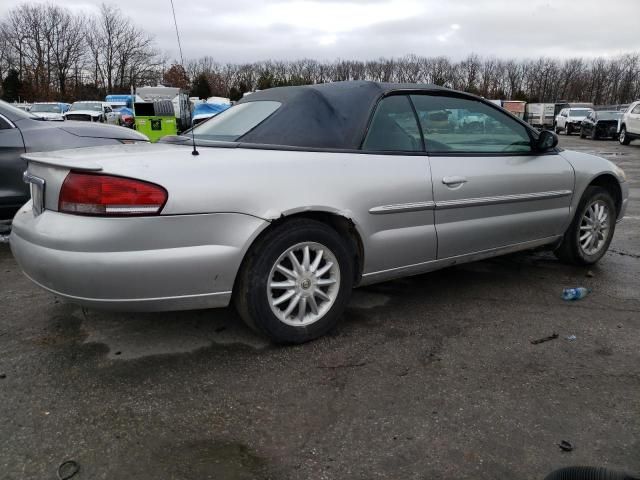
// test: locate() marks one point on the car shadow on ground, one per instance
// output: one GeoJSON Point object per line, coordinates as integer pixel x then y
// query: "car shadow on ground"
{"type": "Point", "coordinates": [421, 302]}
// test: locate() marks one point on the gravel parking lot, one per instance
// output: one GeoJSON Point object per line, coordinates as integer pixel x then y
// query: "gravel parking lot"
{"type": "Point", "coordinates": [432, 377]}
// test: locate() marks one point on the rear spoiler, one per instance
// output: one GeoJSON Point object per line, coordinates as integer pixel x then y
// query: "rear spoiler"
{"type": "Point", "coordinates": [51, 159]}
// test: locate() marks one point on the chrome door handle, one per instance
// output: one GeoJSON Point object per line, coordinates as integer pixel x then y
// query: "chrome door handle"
{"type": "Point", "coordinates": [455, 180]}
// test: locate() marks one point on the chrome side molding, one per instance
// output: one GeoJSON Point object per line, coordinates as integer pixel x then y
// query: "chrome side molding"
{"type": "Point", "coordinates": [523, 197]}
{"type": "Point", "coordinates": [402, 207]}
{"type": "Point", "coordinates": [467, 202]}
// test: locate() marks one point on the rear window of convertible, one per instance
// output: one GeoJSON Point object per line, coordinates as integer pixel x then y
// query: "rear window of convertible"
{"type": "Point", "coordinates": [236, 121]}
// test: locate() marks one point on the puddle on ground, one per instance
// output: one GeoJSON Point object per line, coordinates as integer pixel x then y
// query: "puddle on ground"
{"type": "Point", "coordinates": [134, 335]}
{"type": "Point", "coordinates": [207, 459]}
{"type": "Point", "coordinates": [367, 299]}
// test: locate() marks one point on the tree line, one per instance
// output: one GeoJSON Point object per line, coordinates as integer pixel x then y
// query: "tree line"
{"type": "Point", "coordinates": [603, 81]}
{"type": "Point", "coordinates": [48, 52]}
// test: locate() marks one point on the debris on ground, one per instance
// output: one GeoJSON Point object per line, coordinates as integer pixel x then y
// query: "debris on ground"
{"type": "Point", "coordinates": [589, 274]}
{"type": "Point", "coordinates": [565, 446]}
{"type": "Point", "coordinates": [577, 293]}
{"type": "Point", "coordinates": [553, 336]}
{"type": "Point", "coordinates": [3, 376]}
{"type": "Point", "coordinates": [68, 469]}
{"type": "Point", "coordinates": [571, 338]}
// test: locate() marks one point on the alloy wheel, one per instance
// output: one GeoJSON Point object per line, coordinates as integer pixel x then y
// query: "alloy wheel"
{"type": "Point", "coordinates": [594, 228]}
{"type": "Point", "coordinates": [303, 284]}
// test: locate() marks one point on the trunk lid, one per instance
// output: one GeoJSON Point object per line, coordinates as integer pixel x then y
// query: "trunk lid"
{"type": "Point", "coordinates": [46, 171]}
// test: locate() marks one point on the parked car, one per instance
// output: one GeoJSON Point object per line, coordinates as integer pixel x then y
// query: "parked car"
{"type": "Point", "coordinates": [299, 193]}
{"type": "Point", "coordinates": [50, 110]}
{"type": "Point", "coordinates": [92, 112]}
{"type": "Point", "coordinates": [600, 124]}
{"type": "Point", "coordinates": [570, 119]}
{"type": "Point", "coordinates": [22, 132]}
{"type": "Point", "coordinates": [630, 124]}
{"type": "Point", "coordinates": [22, 106]}
{"type": "Point", "coordinates": [127, 119]}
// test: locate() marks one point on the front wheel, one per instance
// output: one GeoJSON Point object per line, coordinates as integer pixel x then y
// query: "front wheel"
{"type": "Point", "coordinates": [296, 282]}
{"type": "Point", "coordinates": [568, 130]}
{"type": "Point", "coordinates": [624, 138]}
{"type": "Point", "coordinates": [582, 134]}
{"type": "Point", "coordinates": [594, 134]}
{"type": "Point", "coordinates": [589, 235]}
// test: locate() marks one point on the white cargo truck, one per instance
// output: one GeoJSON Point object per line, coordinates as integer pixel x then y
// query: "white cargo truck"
{"type": "Point", "coordinates": [540, 115]}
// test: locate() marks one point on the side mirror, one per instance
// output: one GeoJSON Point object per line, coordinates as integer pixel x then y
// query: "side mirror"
{"type": "Point", "coordinates": [546, 141]}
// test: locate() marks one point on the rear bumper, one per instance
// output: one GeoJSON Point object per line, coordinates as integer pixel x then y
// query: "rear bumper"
{"type": "Point", "coordinates": [134, 264]}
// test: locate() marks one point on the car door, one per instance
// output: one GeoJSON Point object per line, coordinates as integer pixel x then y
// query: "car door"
{"type": "Point", "coordinates": [491, 189]}
{"type": "Point", "coordinates": [561, 120]}
{"type": "Point", "coordinates": [399, 227]}
{"type": "Point", "coordinates": [564, 117]}
{"type": "Point", "coordinates": [13, 191]}
{"type": "Point", "coordinates": [633, 120]}
{"type": "Point", "coordinates": [588, 123]}
{"type": "Point", "coordinates": [110, 116]}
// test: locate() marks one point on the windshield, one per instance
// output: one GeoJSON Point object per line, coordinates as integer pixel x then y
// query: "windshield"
{"type": "Point", "coordinates": [46, 108]}
{"type": "Point", "coordinates": [579, 113]}
{"type": "Point", "coordinates": [609, 115]}
{"type": "Point", "coordinates": [96, 107]}
{"type": "Point", "coordinates": [236, 121]}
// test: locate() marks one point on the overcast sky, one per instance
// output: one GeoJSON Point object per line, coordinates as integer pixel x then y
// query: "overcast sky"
{"type": "Point", "coordinates": [248, 30]}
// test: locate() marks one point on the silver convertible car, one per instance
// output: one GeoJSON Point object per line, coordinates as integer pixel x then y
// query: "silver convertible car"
{"type": "Point", "coordinates": [292, 197]}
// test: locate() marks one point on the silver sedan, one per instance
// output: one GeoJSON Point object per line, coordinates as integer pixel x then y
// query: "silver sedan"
{"type": "Point", "coordinates": [286, 201]}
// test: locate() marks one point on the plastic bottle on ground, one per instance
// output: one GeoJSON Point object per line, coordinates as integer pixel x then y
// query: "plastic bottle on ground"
{"type": "Point", "coordinates": [577, 293]}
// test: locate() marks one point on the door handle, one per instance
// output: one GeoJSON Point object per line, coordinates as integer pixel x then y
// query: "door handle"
{"type": "Point", "coordinates": [454, 180]}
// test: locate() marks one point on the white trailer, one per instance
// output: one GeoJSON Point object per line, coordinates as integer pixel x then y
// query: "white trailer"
{"type": "Point", "coordinates": [540, 115]}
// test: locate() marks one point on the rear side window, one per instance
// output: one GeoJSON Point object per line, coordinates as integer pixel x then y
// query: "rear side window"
{"type": "Point", "coordinates": [393, 127]}
{"type": "Point", "coordinates": [4, 125]}
{"type": "Point", "coordinates": [452, 124]}
{"type": "Point", "coordinates": [236, 121]}
{"type": "Point", "coordinates": [636, 109]}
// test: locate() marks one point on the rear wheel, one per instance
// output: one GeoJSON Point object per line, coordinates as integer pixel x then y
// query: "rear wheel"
{"type": "Point", "coordinates": [296, 282]}
{"type": "Point", "coordinates": [589, 235]}
{"type": "Point", "coordinates": [624, 138]}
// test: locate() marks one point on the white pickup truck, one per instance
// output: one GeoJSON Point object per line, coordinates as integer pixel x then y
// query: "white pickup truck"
{"type": "Point", "coordinates": [630, 124]}
{"type": "Point", "coordinates": [569, 119]}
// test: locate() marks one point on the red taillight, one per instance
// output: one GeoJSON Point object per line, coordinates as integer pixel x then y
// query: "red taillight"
{"type": "Point", "coordinates": [106, 195]}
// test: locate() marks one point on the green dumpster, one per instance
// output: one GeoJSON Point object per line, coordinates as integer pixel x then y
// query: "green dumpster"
{"type": "Point", "coordinates": [155, 119]}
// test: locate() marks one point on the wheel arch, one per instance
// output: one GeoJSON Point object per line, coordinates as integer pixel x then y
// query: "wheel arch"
{"type": "Point", "coordinates": [338, 221]}
{"type": "Point", "coordinates": [610, 183]}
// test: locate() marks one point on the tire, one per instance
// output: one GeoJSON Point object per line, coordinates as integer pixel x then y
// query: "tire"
{"type": "Point", "coordinates": [253, 296]}
{"type": "Point", "coordinates": [556, 129]}
{"type": "Point", "coordinates": [624, 138]}
{"type": "Point", "coordinates": [568, 130]}
{"type": "Point", "coordinates": [570, 249]}
{"type": "Point", "coordinates": [582, 134]}
{"type": "Point", "coordinates": [594, 134]}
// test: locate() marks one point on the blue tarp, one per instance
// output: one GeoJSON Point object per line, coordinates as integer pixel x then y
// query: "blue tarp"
{"type": "Point", "coordinates": [209, 109]}
{"type": "Point", "coordinates": [126, 111]}
{"type": "Point", "coordinates": [119, 98]}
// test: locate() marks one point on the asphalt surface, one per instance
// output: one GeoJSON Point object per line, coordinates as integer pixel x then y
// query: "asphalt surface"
{"type": "Point", "coordinates": [432, 377]}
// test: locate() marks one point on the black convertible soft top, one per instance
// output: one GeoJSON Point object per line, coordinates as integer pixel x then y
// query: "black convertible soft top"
{"type": "Point", "coordinates": [328, 115]}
